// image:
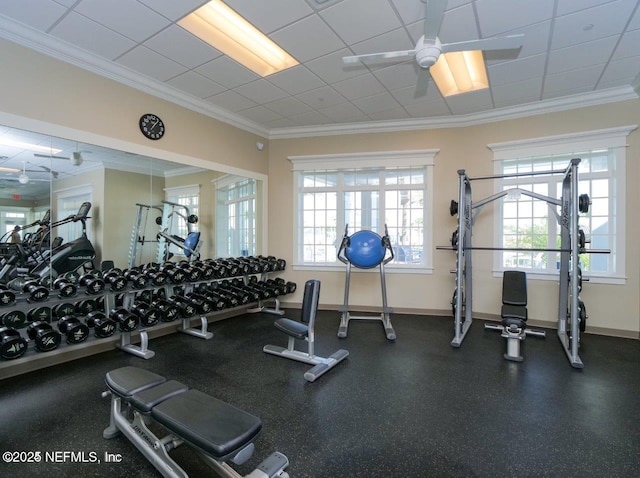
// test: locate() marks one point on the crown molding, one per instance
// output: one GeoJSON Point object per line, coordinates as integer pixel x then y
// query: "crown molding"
{"type": "Point", "coordinates": [582, 100]}
{"type": "Point", "coordinates": [60, 50]}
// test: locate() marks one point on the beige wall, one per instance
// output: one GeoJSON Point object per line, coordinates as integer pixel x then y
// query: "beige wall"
{"type": "Point", "coordinates": [609, 306]}
{"type": "Point", "coordinates": [66, 101]}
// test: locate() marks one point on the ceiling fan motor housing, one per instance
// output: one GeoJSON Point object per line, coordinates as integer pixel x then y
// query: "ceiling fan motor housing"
{"type": "Point", "coordinates": [427, 53]}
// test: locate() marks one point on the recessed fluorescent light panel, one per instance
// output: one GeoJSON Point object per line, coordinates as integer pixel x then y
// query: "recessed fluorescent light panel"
{"type": "Point", "coordinates": [29, 146]}
{"type": "Point", "coordinates": [221, 27]}
{"type": "Point", "coordinates": [460, 72]}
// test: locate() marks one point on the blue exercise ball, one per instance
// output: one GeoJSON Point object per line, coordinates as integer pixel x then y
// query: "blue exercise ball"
{"type": "Point", "coordinates": [365, 249]}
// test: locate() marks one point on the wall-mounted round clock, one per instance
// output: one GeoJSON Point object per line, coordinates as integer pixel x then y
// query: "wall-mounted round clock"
{"type": "Point", "coordinates": [152, 126]}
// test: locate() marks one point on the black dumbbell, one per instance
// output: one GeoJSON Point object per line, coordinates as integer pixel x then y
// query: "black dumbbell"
{"type": "Point", "coordinates": [37, 293]}
{"type": "Point", "coordinates": [207, 270]}
{"type": "Point", "coordinates": [60, 310]}
{"type": "Point", "coordinates": [243, 298]}
{"type": "Point", "coordinates": [125, 320]}
{"type": "Point", "coordinates": [265, 292]}
{"type": "Point", "coordinates": [12, 344]}
{"type": "Point", "coordinates": [282, 264]}
{"type": "Point", "coordinates": [14, 319]}
{"type": "Point", "coordinates": [7, 297]}
{"type": "Point", "coordinates": [149, 315]}
{"type": "Point", "coordinates": [186, 308]}
{"type": "Point", "coordinates": [93, 285]}
{"type": "Point", "coordinates": [102, 325]}
{"type": "Point", "coordinates": [278, 285]}
{"type": "Point", "coordinates": [203, 304]}
{"type": "Point", "coordinates": [136, 277]}
{"type": "Point", "coordinates": [74, 330]}
{"type": "Point", "coordinates": [45, 338]}
{"type": "Point", "coordinates": [42, 314]}
{"type": "Point", "coordinates": [175, 274]}
{"type": "Point", "coordinates": [72, 276]}
{"type": "Point", "coordinates": [169, 312]}
{"type": "Point", "coordinates": [192, 272]}
{"type": "Point", "coordinates": [64, 287]}
{"type": "Point", "coordinates": [115, 279]}
{"type": "Point", "coordinates": [85, 306]}
{"type": "Point", "coordinates": [254, 295]}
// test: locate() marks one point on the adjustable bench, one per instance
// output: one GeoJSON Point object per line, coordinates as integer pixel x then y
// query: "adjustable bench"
{"type": "Point", "coordinates": [217, 431]}
{"type": "Point", "coordinates": [514, 314]}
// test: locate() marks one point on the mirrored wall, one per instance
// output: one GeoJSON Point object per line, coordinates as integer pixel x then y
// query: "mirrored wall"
{"type": "Point", "coordinates": [48, 183]}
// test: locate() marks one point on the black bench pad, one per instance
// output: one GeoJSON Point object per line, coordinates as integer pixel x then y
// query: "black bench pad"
{"type": "Point", "coordinates": [145, 400]}
{"type": "Point", "coordinates": [514, 312]}
{"type": "Point", "coordinates": [215, 427]}
{"type": "Point", "coordinates": [291, 327]}
{"type": "Point", "coordinates": [127, 381]}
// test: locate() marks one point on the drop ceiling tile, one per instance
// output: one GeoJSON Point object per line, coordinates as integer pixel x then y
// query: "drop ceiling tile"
{"type": "Point", "coordinates": [376, 103]}
{"type": "Point", "coordinates": [634, 24]}
{"type": "Point", "coordinates": [571, 6]}
{"type": "Point", "coordinates": [261, 91]}
{"type": "Point", "coordinates": [574, 90]}
{"type": "Point", "coordinates": [195, 84]}
{"type": "Point", "coordinates": [398, 76]}
{"type": "Point", "coordinates": [604, 20]}
{"type": "Point", "coordinates": [410, 12]}
{"type": "Point", "coordinates": [231, 101]}
{"type": "Point", "coordinates": [259, 114]}
{"type": "Point", "coordinates": [498, 16]}
{"type": "Point", "coordinates": [603, 85]}
{"type": "Point", "coordinates": [272, 15]}
{"type": "Point", "coordinates": [296, 80]}
{"type": "Point", "coordinates": [321, 97]}
{"type": "Point", "coordinates": [182, 47]}
{"type": "Point", "coordinates": [580, 78]}
{"type": "Point", "coordinates": [357, 20]}
{"type": "Point", "coordinates": [40, 14]}
{"type": "Point", "coordinates": [516, 101]}
{"type": "Point", "coordinates": [281, 123]}
{"type": "Point", "coordinates": [621, 70]}
{"type": "Point", "coordinates": [467, 103]}
{"type": "Point", "coordinates": [172, 9]}
{"type": "Point", "coordinates": [391, 41]}
{"type": "Point", "coordinates": [149, 63]}
{"type": "Point", "coordinates": [288, 106]}
{"type": "Point", "coordinates": [388, 115]}
{"type": "Point", "coordinates": [580, 56]}
{"type": "Point", "coordinates": [227, 72]}
{"type": "Point", "coordinates": [516, 70]}
{"type": "Point", "coordinates": [458, 24]}
{"type": "Point", "coordinates": [512, 93]}
{"type": "Point", "coordinates": [628, 45]}
{"type": "Point", "coordinates": [331, 69]}
{"type": "Point", "coordinates": [358, 87]}
{"type": "Point", "coordinates": [311, 118]}
{"type": "Point", "coordinates": [139, 23]}
{"type": "Point", "coordinates": [67, 3]}
{"type": "Point", "coordinates": [411, 94]}
{"type": "Point", "coordinates": [307, 39]}
{"type": "Point", "coordinates": [343, 112]}
{"type": "Point", "coordinates": [79, 30]}
{"type": "Point", "coordinates": [436, 107]}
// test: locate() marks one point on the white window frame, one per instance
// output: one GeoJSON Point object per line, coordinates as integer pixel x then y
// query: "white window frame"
{"type": "Point", "coordinates": [610, 138]}
{"type": "Point", "coordinates": [74, 229]}
{"type": "Point", "coordinates": [222, 236]}
{"type": "Point", "coordinates": [350, 161]}
{"type": "Point", "coordinates": [178, 225]}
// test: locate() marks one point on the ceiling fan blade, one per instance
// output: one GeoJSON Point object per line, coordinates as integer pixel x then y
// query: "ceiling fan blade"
{"type": "Point", "coordinates": [51, 156]}
{"type": "Point", "coordinates": [499, 43]}
{"type": "Point", "coordinates": [403, 54]}
{"type": "Point", "coordinates": [422, 83]}
{"type": "Point", "coordinates": [433, 18]}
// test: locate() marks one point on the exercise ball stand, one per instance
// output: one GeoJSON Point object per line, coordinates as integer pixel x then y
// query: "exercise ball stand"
{"type": "Point", "coordinates": [365, 250]}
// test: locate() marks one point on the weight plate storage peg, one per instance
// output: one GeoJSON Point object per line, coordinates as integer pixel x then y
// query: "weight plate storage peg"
{"type": "Point", "coordinates": [74, 330]}
{"type": "Point", "coordinates": [44, 337]}
{"type": "Point", "coordinates": [12, 344]}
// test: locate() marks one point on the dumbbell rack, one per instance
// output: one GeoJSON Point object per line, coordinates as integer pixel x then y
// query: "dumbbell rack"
{"type": "Point", "coordinates": [33, 360]}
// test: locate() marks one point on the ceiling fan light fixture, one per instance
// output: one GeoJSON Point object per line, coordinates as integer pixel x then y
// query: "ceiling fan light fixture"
{"type": "Point", "coordinates": [221, 27]}
{"type": "Point", "coordinates": [460, 72]}
{"type": "Point", "coordinates": [76, 158]}
{"type": "Point", "coordinates": [23, 179]}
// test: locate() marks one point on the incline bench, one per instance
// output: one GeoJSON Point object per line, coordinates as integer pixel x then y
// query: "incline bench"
{"type": "Point", "coordinates": [217, 431]}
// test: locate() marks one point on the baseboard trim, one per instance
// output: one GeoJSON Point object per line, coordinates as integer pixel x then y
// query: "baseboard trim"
{"type": "Point", "coordinates": [446, 313]}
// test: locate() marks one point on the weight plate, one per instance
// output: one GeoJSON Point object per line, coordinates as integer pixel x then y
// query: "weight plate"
{"type": "Point", "coordinates": [72, 276]}
{"type": "Point", "coordinates": [14, 319]}
{"type": "Point", "coordinates": [7, 297]}
{"type": "Point", "coordinates": [60, 310]}
{"type": "Point", "coordinates": [85, 306]}
{"type": "Point", "coordinates": [39, 313]}
{"type": "Point", "coordinates": [13, 347]}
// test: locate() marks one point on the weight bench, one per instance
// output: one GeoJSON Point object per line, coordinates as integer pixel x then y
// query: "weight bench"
{"type": "Point", "coordinates": [217, 431]}
{"type": "Point", "coordinates": [305, 330]}
{"type": "Point", "coordinates": [514, 314]}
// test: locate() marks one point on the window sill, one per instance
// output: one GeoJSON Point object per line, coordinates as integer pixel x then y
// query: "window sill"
{"type": "Point", "coordinates": [611, 280]}
{"type": "Point", "coordinates": [389, 269]}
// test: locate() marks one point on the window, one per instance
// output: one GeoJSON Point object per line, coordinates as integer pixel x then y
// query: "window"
{"type": "Point", "coordinates": [181, 203]}
{"type": "Point", "coordinates": [525, 222]}
{"type": "Point", "coordinates": [235, 216]}
{"type": "Point", "coordinates": [363, 191]}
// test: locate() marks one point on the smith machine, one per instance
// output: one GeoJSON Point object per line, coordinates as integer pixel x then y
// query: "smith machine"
{"type": "Point", "coordinates": [571, 310]}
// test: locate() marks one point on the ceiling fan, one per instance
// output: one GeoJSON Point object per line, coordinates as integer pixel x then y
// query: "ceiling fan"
{"type": "Point", "coordinates": [76, 157]}
{"type": "Point", "coordinates": [429, 47]}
